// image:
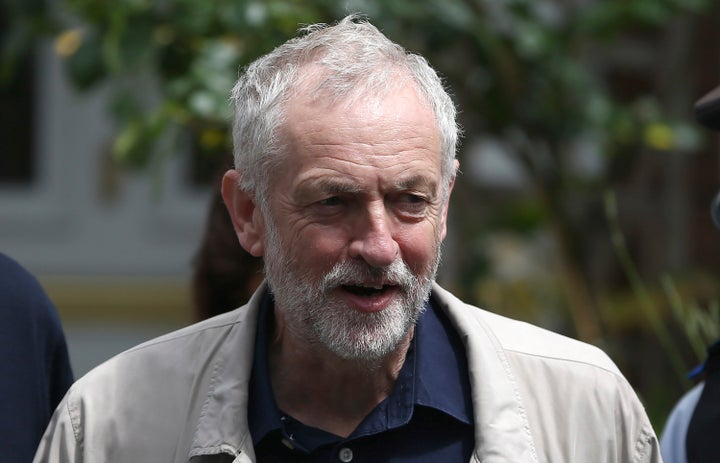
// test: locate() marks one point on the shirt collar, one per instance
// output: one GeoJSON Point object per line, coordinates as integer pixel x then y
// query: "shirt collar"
{"type": "Point", "coordinates": [263, 412]}
{"type": "Point", "coordinates": [442, 379]}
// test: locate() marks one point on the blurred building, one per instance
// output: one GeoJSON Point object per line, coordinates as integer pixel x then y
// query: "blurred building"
{"type": "Point", "coordinates": [113, 248]}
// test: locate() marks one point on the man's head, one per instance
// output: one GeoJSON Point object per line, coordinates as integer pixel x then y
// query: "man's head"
{"type": "Point", "coordinates": [707, 112]}
{"type": "Point", "coordinates": [345, 159]}
{"type": "Point", "coordinates": [347, 61]}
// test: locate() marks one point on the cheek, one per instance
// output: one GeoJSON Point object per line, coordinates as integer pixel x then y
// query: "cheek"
{"type": "Point", "coordinates": [419, 250]}
{"type": "Point", "coordinates": [318, 247]}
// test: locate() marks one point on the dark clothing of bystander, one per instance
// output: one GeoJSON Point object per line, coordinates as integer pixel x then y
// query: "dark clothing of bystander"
{"type": "Point", "coordinates": [701, 442]}
{"type": "Point", "coordinates": [35, 368]}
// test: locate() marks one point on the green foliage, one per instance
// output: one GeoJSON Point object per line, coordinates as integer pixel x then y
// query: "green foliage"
{"type": "Point", "coordinates": [700, 325]}
{"type": "Point", "coordinates": [524, 69]}
{"type": "Point", "coordinates": [645, 301]}
{"type": "Point", "coordinates": [21, 23]}
{"type": "Point", "coordinates": [190, 50]}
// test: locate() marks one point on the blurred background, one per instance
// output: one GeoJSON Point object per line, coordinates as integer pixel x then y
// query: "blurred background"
{"type": "Point", "coordinates": [582, 206]}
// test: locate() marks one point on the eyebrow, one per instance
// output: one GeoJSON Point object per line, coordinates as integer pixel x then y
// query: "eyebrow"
{"type": "Point", "coordinates": [326, 186]}
{"type": "Point", "coordinates": [417, 182]}
{"type": "Point", "coordinates": [336, 186]}
{"type": "Point", "coordinates": [343, 186]}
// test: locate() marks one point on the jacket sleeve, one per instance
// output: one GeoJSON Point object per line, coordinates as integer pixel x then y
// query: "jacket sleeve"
{"type": "Point", "coordinates": [648, 448]}
{"type": "Point", "coordinates": [61, 442]}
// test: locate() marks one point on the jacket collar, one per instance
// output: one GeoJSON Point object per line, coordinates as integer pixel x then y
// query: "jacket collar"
{"type": "Point", "coordinates": [222, 426]}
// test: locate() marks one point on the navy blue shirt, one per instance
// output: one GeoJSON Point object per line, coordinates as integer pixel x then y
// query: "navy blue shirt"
{"type": "Point", "coordinates": [426, 418]}
{"type": "Point", "coordinates": [34, 366]}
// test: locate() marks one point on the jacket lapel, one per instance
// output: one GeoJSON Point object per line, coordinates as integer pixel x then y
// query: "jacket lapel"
{"type": "Point", "coordinates": [502, 430]}
{"type": "Point", "coordinates": [222, 433]}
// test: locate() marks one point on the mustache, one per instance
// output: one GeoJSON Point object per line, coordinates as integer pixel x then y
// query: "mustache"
{"type": "Point", "coordinates": [349, 273]}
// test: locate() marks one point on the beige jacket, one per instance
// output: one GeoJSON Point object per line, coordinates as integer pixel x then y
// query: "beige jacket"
{"type": "Point", "coordinates": [538, 397]}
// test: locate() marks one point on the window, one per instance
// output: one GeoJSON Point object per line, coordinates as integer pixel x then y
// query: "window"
{"type": "Point", "coordinates": [17, 118]}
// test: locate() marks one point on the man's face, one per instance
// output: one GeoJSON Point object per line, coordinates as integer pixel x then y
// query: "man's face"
{"type": "Point", "coordinates": [356, 218]}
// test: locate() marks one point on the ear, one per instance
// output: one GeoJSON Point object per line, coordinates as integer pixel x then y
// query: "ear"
{"type": "Point", "coordinates": [246, 218]}
{"type": "Point", "coordinates": [446, 206]}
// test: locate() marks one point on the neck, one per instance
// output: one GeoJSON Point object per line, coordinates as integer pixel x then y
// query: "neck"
{"type": "Point", "coordinates": [322, 390]}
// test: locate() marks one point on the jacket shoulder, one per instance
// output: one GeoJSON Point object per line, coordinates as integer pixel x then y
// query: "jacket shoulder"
{"type": "Point", "coordinates": [174, 376]}
{"type": "Point", "coordinates": [574, 401]}
{"type": "Point", "coordinates": [522, 338]}
{"type": "Point", "coordinates": [177, 352]}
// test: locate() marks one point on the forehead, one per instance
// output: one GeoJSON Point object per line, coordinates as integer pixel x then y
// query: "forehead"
{"type": "Point", "coordinates": [390, 121]}
{"type": "Point", "coordinates": [378, 140]}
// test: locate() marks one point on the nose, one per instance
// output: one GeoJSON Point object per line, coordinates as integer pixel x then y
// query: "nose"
{"type": "Point", "coordinates": [373, 239]}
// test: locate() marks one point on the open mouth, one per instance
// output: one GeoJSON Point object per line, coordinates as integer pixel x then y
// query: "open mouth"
{"type": "Point", "coordinates": [361, 290]}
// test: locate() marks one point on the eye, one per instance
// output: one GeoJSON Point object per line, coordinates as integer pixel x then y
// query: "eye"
{"type": "Point", "coordinates": [331, 201]}
{"type": "Point", "coordinates": [410, 204]}
{"type": "Point", "coordinates": [411, 198]}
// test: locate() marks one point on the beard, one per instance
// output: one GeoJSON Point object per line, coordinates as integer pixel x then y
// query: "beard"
{"type": "Point", "coordinates": [313, 312]}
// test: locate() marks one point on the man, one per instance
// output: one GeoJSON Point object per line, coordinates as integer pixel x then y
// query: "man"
{"type": "Point", "coordinates": [689, 434]}
{"type": "Point", "coordinates": [345, 161]}
{"type": "Point", "coordinates": [35, 368]}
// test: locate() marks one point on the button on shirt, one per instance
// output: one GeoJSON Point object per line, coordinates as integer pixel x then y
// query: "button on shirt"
{"type": "Point", "coordinates": [426, 418]}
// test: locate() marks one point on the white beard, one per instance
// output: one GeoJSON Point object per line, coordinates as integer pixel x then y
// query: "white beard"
{"type": "Point", "coordinates": [311, 312]}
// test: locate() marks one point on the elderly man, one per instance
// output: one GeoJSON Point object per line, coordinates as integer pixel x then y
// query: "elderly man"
{"type": "Point", "coordinates": [345, 161]}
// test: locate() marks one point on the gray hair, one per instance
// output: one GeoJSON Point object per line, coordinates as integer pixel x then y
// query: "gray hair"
{"type": "Point", "coordinates": [355, 59]}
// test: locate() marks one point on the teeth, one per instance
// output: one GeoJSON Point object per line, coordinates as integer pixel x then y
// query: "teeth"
{"type": "Point", "coordinates": [377, 286]}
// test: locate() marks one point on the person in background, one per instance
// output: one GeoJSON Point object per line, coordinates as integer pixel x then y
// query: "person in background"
{"type": "Point", "coordinates": [345, 148]}
{"type": "Point", "coordinates": [35, 368]}
{"type": "Point", "coordinates": [691, 430]}
{"type": "Point", "coordinates": [224, 274]}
